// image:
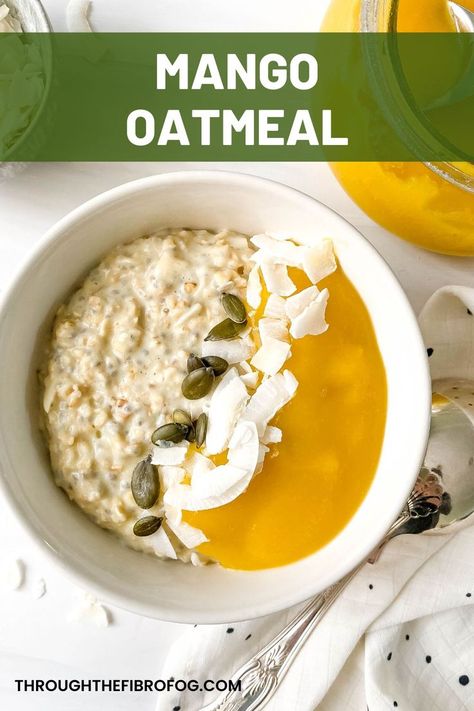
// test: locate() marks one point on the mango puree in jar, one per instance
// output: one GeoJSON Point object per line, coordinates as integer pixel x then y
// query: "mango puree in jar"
{"type": "Point", "coordinates": [314, 480]}
{"type": "Point", "coordinates": [408, 198]}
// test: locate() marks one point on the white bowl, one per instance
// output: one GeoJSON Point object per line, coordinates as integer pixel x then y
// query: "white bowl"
{"type": "Point", "coordinates": [141, 583]}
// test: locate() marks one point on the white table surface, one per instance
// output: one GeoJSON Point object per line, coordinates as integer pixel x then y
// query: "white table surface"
{"type": "Point", "coordinates": [135, 647]}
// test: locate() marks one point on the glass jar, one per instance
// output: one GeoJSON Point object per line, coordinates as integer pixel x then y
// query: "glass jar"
{"type": "Point", "coordinates": [428, 204]}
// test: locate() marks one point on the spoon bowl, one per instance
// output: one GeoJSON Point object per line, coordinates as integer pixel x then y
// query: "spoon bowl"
{"type": "Point", "coordinates": [450, 452]}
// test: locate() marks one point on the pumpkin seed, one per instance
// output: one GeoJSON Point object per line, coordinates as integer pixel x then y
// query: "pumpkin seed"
{"type": "Point", "coordinates": [234, 308]}
{"type": "Point", "coordinates": [191, 436]}
{"type": "Point", "coordinates": [194, 363]}
{"type": "Point", "coordinates": [182, 418]}
{"type": "Point", "coordinates": [197, 383]}
{"type": "Point", "coordinates": [145, 484]}
{"type": "Point", "coordinates": [172, 432]}
{"type": "Point", "coordinates": [225, 330]}
{"type": "Point", "coordinates": [218, 365]}
{"type": "Point", "coordinates": [201, 429]}
{"type": "Point", "coordinates": [147, 525]}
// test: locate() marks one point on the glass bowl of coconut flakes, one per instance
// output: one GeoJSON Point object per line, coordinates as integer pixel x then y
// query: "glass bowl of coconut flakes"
{"type": "Point", "coordinates": [22, 73]}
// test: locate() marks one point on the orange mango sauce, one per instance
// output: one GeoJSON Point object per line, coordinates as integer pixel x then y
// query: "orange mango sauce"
{"type": "Point", "coordinates": [315, 479]}
{"type": "Point", "coordinates": [407, 198]}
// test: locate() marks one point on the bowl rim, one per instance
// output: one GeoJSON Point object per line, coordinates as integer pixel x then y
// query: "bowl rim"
{"type": "Point", "coordinates": [392, 507]}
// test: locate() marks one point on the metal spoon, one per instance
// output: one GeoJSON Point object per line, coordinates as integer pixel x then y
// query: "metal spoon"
{"type": "Point", "coordinates": [442, 495]}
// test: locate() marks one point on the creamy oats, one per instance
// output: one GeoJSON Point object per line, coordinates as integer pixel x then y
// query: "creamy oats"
{"type": "Point", "coordinates": [117, 357]}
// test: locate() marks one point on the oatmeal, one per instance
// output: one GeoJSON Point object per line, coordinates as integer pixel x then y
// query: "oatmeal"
{"type": "Point", "coordinates": [193, 396]}
{"type": "Point", "coordinates": [117, 358]}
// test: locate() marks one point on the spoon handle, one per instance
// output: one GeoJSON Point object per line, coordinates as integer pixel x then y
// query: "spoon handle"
{"type": "Point", "coordinates": [258, 678]}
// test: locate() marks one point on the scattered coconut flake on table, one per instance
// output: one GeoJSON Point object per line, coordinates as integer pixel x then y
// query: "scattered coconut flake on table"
{"type": "Point", "coordinates": [311, 321]}
{"type": "Point", "coordinates": [39, 588]}
{"type": "Point", "coordinates": [271, 356]}
{"type": "Point", "coordinates": [91, 611]}
{"type": "Point", "coordinates": [77, 13]}
{"type": "Point", "coordinates": [227, 402]}
{"type": "Point", "coordinates": [12, 574]}
{"type": "Point", "coordinates": [277, 279]}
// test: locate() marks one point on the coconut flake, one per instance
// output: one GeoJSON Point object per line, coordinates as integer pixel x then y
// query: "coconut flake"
{"type": "Point", "coordinates": [273, 328]}
{"type": "Point", "coordinates": [296, 304]}
{"type": "Point", "coordinates": [227, 402]}
{"type": "Point", "coordinates": [277, 279]}
{"type": "Point", "coordinates": [89, 610]}
{"type": "Point", "coordinates": [171, 475]}
{"type": "Point", "coordinates": [196, 560]}
{"type": "Point", "coordinates": [312, 320]}
{"type": "Point", "coordinates": [262, 452]}
{"type": "Point", "coordinates": [271, 395]}
{"type": "Point", "coordinates": [189, 536]}
{"type": "Point", "coordinates": [271, 356]}
{"type": "Point", "coordinates": [250, 379]}
{"type": "Point", "coordinates": [234, 351]}
{"type": "Point", "coordinates": [276, 251]}
{"type": "Point", "coordinates": [170, 456]}
{"type": "Point", "coordinates": [254, 288]}
{"type": "Point", "coordinates": [272, 435]}
{"type": "Point", "coordinates": [291, 384]}
{"type": "Point", "coordinates": [39, 588]}
{"type": "Point", "coordinates": [162, 545]}
{"type": "Point", "coordinates": [275, 307]}
{"type": "Point", "coordinates": [244, 451]}
{"type": "Point", "coordinates": [319, 261]}
{"type": "Point", "coordinates": [217, 481]}
{"type": "Point", "coordinates": [172, 513]}
{"type": "Point", "coordinates": [12, 574]}
{"type": "Point", "coordinates": [77, 12]}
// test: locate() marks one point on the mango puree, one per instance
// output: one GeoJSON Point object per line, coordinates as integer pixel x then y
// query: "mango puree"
{"type": "Point", "coordinates": [315, 479]}
{"type": "Point", "coordinates": [408, 198]}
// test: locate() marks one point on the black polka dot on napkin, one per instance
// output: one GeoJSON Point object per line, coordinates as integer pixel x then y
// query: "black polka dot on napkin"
{"type": "Point", "coordinates": [464, 680]}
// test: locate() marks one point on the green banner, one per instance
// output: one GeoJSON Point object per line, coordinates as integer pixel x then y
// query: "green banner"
{"type": "Point", "coordinates": [236, 97]}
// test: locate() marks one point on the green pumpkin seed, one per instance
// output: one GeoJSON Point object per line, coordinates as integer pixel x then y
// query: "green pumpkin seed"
{"type": "Point", "coordinates": [172, 432]}
{"type": "Point", "coordinates": [218, 365]}
{"type": "Point", "coordinates": [194, 363]}
{"type": "Point", "coordinates": [225, 330]}
{"type": "Point", "coordinates": [234, 308]}
{"type": "Point", "coordinates": [147, 525]}
{"type": "Point", "coordinates": [191, 436]}
{"type": "Point", "coordinates": [145, 484]}
{"type": "Point", "coordinates": [201, 429]}
{"type": "Point", "coordinates": [197, 383]}
{"type": "Point", "coordinates": [182, 418]}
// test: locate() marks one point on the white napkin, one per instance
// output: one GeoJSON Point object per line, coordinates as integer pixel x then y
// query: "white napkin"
{"type": "Point", "coordinates": [402, 634]}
